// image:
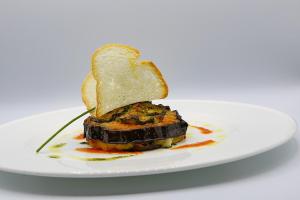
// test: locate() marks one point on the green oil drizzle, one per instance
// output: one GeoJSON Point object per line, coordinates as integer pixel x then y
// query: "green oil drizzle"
{"type": "Point", "coordinates": [57, 146]}
{"type": "Point", "coordinates": [54, 156]}
{"type": "Point", "coordinates": [102, 159]}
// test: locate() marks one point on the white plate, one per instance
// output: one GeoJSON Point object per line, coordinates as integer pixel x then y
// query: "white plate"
{"type": "Point", "coordinates": [240, 131]}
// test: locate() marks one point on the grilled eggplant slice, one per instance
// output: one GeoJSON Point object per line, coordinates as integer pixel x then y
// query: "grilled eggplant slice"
{"type": "Point", "coordinates": [140, 126]}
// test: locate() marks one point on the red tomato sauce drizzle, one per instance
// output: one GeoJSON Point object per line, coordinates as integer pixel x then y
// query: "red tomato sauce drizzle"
{"type": "Point", "coordinates": [79, 137]}
{"type": "Point", "coordinates": [197, 144]}
{"type": "Point", "coordinates": [202, 130]}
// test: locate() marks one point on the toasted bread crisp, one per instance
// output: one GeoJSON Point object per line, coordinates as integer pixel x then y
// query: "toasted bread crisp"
{"type": "Point", "coordinates": [121, 79]}
{"type": "Point", "coordinates": [88, 92]}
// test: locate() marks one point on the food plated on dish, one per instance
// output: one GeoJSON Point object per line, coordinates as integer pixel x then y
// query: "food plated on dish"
{"type": "Point", "coordinates": [121, 88]}
{"type": "Point", "coordinates": [118, 94]}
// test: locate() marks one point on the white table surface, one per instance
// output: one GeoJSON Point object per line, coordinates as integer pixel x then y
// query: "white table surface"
{"type": "Point", "coordinates": [272, 175]}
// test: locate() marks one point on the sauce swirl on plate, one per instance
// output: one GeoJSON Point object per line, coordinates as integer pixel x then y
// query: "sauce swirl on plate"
{"type": "Point", "coordinates": [197, 144]}
{"type": "Point", "coordinates": [202, 129]}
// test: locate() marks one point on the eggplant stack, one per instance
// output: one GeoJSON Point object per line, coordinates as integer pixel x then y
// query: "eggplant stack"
{"type": "Point", "coordinates": [138, 127]}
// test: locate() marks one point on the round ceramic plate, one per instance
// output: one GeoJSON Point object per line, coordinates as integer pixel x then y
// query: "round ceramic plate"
{"type": "Point", "coordinates": [218, 132]}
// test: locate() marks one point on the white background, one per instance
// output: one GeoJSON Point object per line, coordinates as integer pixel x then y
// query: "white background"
{"type": "Point", "coordinates": [244, 51]}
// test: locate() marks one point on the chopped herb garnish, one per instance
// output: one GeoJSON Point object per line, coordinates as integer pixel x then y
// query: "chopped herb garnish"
{"type": "Point", "coordinates": [62, 128]}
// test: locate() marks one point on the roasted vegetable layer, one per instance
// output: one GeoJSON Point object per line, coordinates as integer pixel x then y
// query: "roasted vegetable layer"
{"type": "Point", "coordinates": [136, 146]}
{"type": "Point", "coordinates": [139, 122]}
{"type": "Point", "coordinates": [137, 114]}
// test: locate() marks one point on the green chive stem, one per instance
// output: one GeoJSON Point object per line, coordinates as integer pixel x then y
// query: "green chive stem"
{"type": "Point", "coordinates": [62, 128]}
